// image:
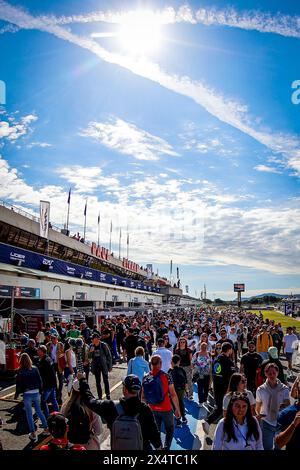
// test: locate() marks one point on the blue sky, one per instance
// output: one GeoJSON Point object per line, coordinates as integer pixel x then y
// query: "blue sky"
{"type": "Point", "coordinates": [193, 144]}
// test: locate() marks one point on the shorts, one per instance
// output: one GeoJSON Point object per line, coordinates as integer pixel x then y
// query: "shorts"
{"type": "Point", "coordinates": [288, 356]}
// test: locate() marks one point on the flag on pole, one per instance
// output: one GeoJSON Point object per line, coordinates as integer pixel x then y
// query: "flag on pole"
{"type": "Point", "coordinates": [69, 197]}
{"type": "Point", "coordinates": [85, 208]}
{"type": "Point", "coordinates": [177, 273]}
{"type": "Point", "coordinates": [99, 218]}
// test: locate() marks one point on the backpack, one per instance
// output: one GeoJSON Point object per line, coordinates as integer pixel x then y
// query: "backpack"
{"type": "Point", "coordinates": [126, 432]}
{"type": "Point", "coordinates": [79, 424]}
{"type": "Point", "coordinates": [153, 388]}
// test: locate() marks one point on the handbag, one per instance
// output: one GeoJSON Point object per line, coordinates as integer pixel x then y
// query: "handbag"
{"type": "Point", "coordinates": [196, 376]}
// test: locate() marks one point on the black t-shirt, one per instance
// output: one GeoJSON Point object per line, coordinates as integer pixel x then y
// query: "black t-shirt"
{"type": "Point", "coordinates": [107, 340]}
{"type": "Point", "coordinates": [184, 355]}
{"type": "Point", "coordinates": [227, 340]}
{"type": "Point", "coordinates": [120, 331]}
{"type": "Point", "coordinates": [223, 368]}
{"type": "Point", "coordinates": [130, 344]}
{"type": "Point", "coordinates": [160, 332]}
{"type": "Point", "coordinates": [251, 362]}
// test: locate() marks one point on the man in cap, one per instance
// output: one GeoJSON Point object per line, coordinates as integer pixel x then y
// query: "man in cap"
{"type": "Point", "coordinates": [273, 357]}
{"type": "Point", "coordinates": [130, 404]}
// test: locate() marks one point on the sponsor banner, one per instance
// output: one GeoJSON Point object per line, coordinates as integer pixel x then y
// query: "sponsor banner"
{"type": "Point", "coordinates": [44, 218]}
{"type": "Point", "coordinates": [81, 296]}
{"type": "Point", "coordinates": [5, 291]}
{"type": "Point", "coordinates": [29, 259]}
{"type": "Point", "coordinates": [27, 292]}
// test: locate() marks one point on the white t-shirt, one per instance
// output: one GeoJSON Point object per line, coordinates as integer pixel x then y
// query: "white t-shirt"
{"type": "Point", "coordinates": [166, 358]}
{"type": "Point", "coordinates": [227, 397]}
{"type": "Point", "coordinates": [289, 342]}
{"type": "Point", "coordinates": [262, 396]}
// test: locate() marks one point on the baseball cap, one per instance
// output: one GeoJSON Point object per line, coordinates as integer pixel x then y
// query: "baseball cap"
{"type": "Point", "coordinates": [95, 335]}
{"type": "Point", "coordinates": [132, 383]}
{"type": "Point", "coordinates": [272, 351]}
{"type": "Point", "coordinates": [54, 335]}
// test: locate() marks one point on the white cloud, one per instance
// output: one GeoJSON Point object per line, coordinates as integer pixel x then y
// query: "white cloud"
{"type": "Point", "coordinates": [284, 25]}
{"type": "Point", "coordinates": [9, 28]}
{"type": "Point", "coordinates": [128, 139]}
{"type": "Point", "coordinates": [266, 169]}
{"type": "Point", "coordinates": [13, 130]}
{"type": "Point", "coordinates": [225, 109]}
{"type": "Point", "coordinates": [192, 222]}
{"type": "Point", "coordinates": [87, 180]}
{"type": "Point", "coordinates": [39, 144]}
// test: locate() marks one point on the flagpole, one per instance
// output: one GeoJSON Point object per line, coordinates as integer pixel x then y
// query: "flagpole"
{"type": "Point", "coordinates": [110, 237]}
{"type": "Point", "coordinates": [69, 200]}
{"type": "Point", "coordinates": [171, 272]}
{"type": "Point", "coordinates": [120, 243]}
{"type": "Point", "coordinates": [127, 245]}
{"type": "Point", "coordinates": [84, 221]}
{"type": "Point", "coordinates": [99, 230]}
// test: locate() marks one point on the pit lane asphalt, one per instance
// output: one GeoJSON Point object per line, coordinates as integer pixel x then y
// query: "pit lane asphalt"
{"type": "Point", "coordinates": [14, 432]}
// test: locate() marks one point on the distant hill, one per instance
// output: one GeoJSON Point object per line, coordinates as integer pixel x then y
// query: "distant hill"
{"type": "Point", "coordinates": [268, 294]}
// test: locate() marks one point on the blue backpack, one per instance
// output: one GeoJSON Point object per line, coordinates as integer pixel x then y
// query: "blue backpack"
{"type": "Point", "coordinates": [153, 388]}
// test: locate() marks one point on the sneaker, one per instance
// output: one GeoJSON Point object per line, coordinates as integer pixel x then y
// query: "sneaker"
{"type": "Point", "coordinates": [178, 423]}
{"type": "Point", "coordinates": [205, 427]}
{"type": "Point", "coordinates": [184, 420]}
{"type": "Point", "coordinates": [33, 437]}
{"type": "Point", "coordinates": [191, 398]}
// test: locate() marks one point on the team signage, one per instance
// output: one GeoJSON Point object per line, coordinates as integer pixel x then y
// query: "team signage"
{"type": "Point", "coordinates": [20, 292]}
{"type": "Point", "coordinates": [29, 259]}
{"type": "Point", "coordinates": [81, 296]}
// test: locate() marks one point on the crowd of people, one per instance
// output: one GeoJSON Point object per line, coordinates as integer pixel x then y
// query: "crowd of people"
{"type": "Point", "coordinates": [230, 356]}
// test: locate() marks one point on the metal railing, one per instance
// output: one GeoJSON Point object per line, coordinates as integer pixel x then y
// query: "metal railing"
{"type": "Point", "coordinates": [36, 219]}
{"type": "Point", "coordinates": [19, 211]}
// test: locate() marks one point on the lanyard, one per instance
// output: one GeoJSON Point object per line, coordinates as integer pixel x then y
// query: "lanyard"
{"type": "Point", "coordinates": [242, 435]}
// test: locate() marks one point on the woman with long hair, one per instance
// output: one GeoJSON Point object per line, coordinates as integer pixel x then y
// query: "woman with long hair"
{"type": "Point", "coordinates": [29, 383]}
{"type": "Point", "coordinates": [238, 383]}
{"type": "Point", "coordinates": [74, 406]}
{"type": "Point", "coordinates": [202, 362]}
{"type": "Point", "coordinates": [185, 355]}
{"type": "Point", "coordinates": [239, 430]}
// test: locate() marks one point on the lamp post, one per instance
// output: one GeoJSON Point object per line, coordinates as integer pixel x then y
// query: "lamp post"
{"type": "Point", "coordinates": [59, 293]}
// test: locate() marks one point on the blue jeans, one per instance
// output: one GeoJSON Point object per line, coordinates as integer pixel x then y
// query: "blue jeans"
{"type": "Point", "coordinates": [268, 435]}
{"type": "Point", "coordinates": [35, 400]}
{"type": "Point", "coordinates": [49, 395]}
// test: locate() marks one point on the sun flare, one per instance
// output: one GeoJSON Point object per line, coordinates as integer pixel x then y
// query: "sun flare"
{"type": "Point", "coordinates": [140, 33]}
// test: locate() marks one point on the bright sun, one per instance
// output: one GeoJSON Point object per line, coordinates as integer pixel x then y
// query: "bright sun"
{"type": "Point", "coordinates": [140, 33]}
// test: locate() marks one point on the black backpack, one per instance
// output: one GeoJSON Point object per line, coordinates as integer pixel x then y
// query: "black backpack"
{"type": "Point", "coordinates": [79, 424]}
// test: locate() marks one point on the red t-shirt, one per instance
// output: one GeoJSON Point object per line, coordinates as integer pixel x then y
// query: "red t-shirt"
{"type": "Point", "coordinates": [165, 405]}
